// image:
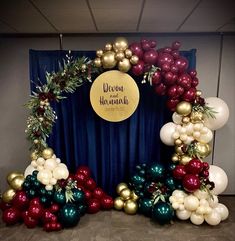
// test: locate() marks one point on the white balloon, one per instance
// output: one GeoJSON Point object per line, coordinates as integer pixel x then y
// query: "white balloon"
{"type": "Point", "coordinates": [222, 210]}
{"type": "Point", "coordinates": [179, 194]}
{"type": "Point", "coordinates": [175, 135]}
{"type": "Point", "coordinates": [201, 194]}
{"type": "Point", "coordinates": [197, 126]}
{"type": "Point", "coordinates": [222, 114]}
{"type": "Point", "coordinates": [189, 128]}
{"type": "Point", "coordinates": [45, 181]}
{"type": "Point", "coordinates": [58, 160]}
{"type": "Point", "coordinates": [189, 140]}
{"type": "Point", "coordinates": [175, 205]}
{"type": "Point", "coordinates": [62, 165]}
{"type": "Point", "coordinates": [48, 187]}
{"type": "Point", "coordinates": [40, 168]}
{"type": "Point", "coordinates": [219, 177]}
{"type": "Point", "coordinates": [201, 210]}
{"type": "Point", "coordinates": [60, 173]}
{"type": "Point", "coordinates": [53, 181]}
{"type": "Point", "coordinates": [29, 170]}
{"type": "Point", "coordinates": [213, 202]}
{"type": "Point", "coordinates": [191, 203]}
{"type": "Point", "coordinates": [206, 138]}
{"type": "Point", "coordinates": [196, 219]}
{"type": "Point", "coordinates": [196, 134]}
{"type": "Point", "coordinates": [213, 218]}
{"type": "Point", "coordinates": [44, 174]}
{"type": "Point", "coordinates": [50, 164]}
{"type": "Point", "coordinates": [183, 137]}
{"type": "Point", "coordinates": [204, 203]}
{"type": "Point", "coordinates": [208, 210]}
{"type": "Point", "coordinates": [40, 161]}
{"type": "Point", "coordinates": [183, 215]}
{"type": "Point", "coordinates": [177, 118]}
{"type": "Point", "coordinates": [34, 163]}
{"type": "Point", "coordinates": [166, 133]}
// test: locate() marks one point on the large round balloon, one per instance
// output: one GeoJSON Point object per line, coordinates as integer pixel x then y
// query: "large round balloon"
{"type": "Point", "coordinates": [166, 133]}
{"type": "Point", "coordinates": [219, 177]}
{"type": "Point", "coordinates": [162, 212]}
{"type": "Point", "coordinates": [221, 115]}
{"type": "Point", "coordinates": [29, 170]}
{"type": "Point", "coordinates": [69, 215]}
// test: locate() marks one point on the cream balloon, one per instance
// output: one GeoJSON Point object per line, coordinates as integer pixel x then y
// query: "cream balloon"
{"type": "Point", "coordinates": [213, 202]}
{"type": "Point", "coordinates": [183, 215]}
{"type": "Point", "coordinates": [166, 133]}
{"type": "Point", "coordinates": [201, 194]}
{"type": "Point", "coordinates": [50, 164]}
{"type": "Point", "coordinates": [40, 161]}
{"type": "Point", "coordinates": [196, 219]}
{"type": "Point", "coordinates": [177, 119]}
{"type": "Point", "coordinates": [44, 174]}
{"type": "Point", "coordinates": [58, 160]}
{"type": "Point", "coordinates": [206, 138]}
{"type": "Point", "coordinates": [221, 115]}
{"type": "Point", "coordinates": [213, 218]}
{"type": "Point", "coordinates": [48, 187]}
{"type": "Point", "coordinates": [179, 194]}
{"type": "Point", "coordinates": [191, 203]}
{"type": "Point", "coordinates": [53, 181]}
{"type": "Point", "coordinates": [219, 177]}
{"type": "Point", "coordinates": [29, 170]}
{"type": "Point", "coordinates": [60, 173]}
{"type": "Point", "coordinates": [45, 181]}
{"type": "Point", "coordinates": [222, 210]}
{"type": "Point", "coordinates": [34, 163]}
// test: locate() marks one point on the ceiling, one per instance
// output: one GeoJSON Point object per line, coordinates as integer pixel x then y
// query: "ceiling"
{"type": "Point", "coordinates": [116, 16]}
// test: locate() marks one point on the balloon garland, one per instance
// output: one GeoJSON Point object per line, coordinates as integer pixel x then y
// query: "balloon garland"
{"type": "Point", "coordinates": [187, 187]}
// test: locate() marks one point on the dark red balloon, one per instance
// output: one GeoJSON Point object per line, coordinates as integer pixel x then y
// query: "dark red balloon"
{"type": "Point", "coordinates": [168, 78]}
{"type": "Point", "coordinates": [35, 201]}
{"type": "Point", "coordinates": [156, 78]}
{"type": "Point", "coordinates": [174, 69]}
{"type": "Point", "coordinates": [85, 170]}
{"type": "Point", "coordinates": [180, 90]}
{"type": "Point", "coordinates": [146, 45]}
{"type": "Point", "coordinates": [160, 89]}
{"type": "Point", "coordinates": [30, 222]}
{"type": "Point", "coordinates": [206, 166]}
{"type": "Point", "coordinates": [138, 69]}
{"type": "Point", "coordinates": [175, 53]}
{"type": "Point", "coordinates": [172, 103]}
{"type": "Point", "coordinates": [107, 202]}
{"type": "Point", "coordinates": [90, 184]}
{"type": "Point", "coordinates": [80, 178]}
{"type": "Point", "coordinates": [195, 82]}
{"type": "Point", "coordinates": [47, 216]}
{"type": "Point", "coordinates": [93, 205]}
{"type": "Point", "coordinates": [205, 173]}
{"type": "Point", "coordinates": [150, 57]}
{"type": "Point", "coordinates": [87, 194]}
{"type": "Point", "coordinates": [166, 67]}
{"type": "Point", "coordinates": [153, 43]}
{"type": "Point", "coordinates": [194, 166]}
{"type": "Point", "coordinates": [165, 58]}
{"type": "Point", "coordinates": [4, 206]}
{"type": "Point", "coordinates": [179, 172]}
{"type": "Point", "coordinates": [54, 208]}
{"type": "Point", "coordinates": [136, 50]}
{"type": "Point", "coordinates": [189, 95]}
{"type": "Point", "coordinates": [35, 211]}
{"type": "Point", "coordinates": [181, 63]}
{"type": "Point", "coordinates": [193, 73]}
{"type": "Point", "coordinates": [11, 216]}
{"type": "Point", "coordinates": [167, 50]}
{"type": "Point", "coordinates": [191, 182]}
{"type": "Point", "coordinates": [172, 91]}
{"type": "Point", "coordinates": [185, 81]}
{"type": "Point", "coordinates": [98, 193]}
{"type": "Point", "coordinates": [176, 45]}
{"type": "Point", "coordinates": [20, 200]}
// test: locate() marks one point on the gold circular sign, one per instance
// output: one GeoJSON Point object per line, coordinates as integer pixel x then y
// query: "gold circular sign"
{"type": "Point", "coordinates": [114, 96]}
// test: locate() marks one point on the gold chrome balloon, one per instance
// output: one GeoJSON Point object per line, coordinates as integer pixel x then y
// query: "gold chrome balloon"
{"type": "Point", "coordinates": [12, 175]}
{"type": "Point", "coordinates": [97, 62]}
{"type": "Point", "coordinates": [47, 153]}
{"type": "Point", "coordinates": [196, 116]}
{"type": "Point", "coordinates": [108, 60]}
{"type": "Point", "coordinates": [130, 207]}
{"type": "Point", "coordinates": [8, 195]}
{"type": "Point", "coordinates": [99, 53]}
{"type": "Point", "coordinates": [108, 47]}
{"type": "Point", "coordinates": [178, 150]}
{"type": "Point", "coordinates": [178, 142]}
{"type": "Point", "coordinates": [134, 59]}
{"type": "Point", "coordinates": [125, 194]}
{"type": "Point", "coordinates": [118, 203]}
{"type": "Point", "coordinates": [17, 182]}
{"type": "Point", "coordinates": [124, 65]}
{"type": "Point", "coordinates": [175, 157]}
{"type": "Point", "coordinates": [184, 108]}
{"type": "Point", "coordinates": [185, 159]}
{"type": "Point", "coordinates": [134, 197]}
{"type": "Point", "coordinates": [128, 53]}
{"type": "Point", "coordinates": [203, 150]}
{"type": "Point", "coordinates": [198, 93]}
{"type": "Point", "coordinates": [34, 155]}
{"type": "Point", "coordinates": [186, 120]}
{"type": "Point", "coordinates": [120, 44]}
{"type": "Point", "coordinates": [119, 56]}
{"type": "Point", "coordinates": [120, 187]}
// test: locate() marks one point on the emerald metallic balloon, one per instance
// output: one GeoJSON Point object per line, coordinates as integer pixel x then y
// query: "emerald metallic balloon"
{"type": "Point", "coordinates": [82, 209]}
{"type": "Point", "coordinates": [69, 215]}
{"type": "Point", "coordinates": [26, 185]}
{"type": "Point", "coordinates": [42, 191]}
{"type": "Point", "coordinates": [156, 171]}
{"type": "Point", "coordinates": [170, 183]}
{"type": "Point", "coordinates": [142, 172]}
{"type": "Point", "coordinates": [59, 197]}
{"type": "Point", "coordinates": [78, 196]}
{"type": "Point", "coordinates": [137, 180]}
{"type": "Point", "coordinates": [162, 212]}
{"type": "Point", "coordinates": [31, 193]}
{"type": "Point", "coordinates": [45, 200]}
{"type": "Point", "coordinates": [145, 206]}
{"type": "Point", "coordinates": [171, 167]}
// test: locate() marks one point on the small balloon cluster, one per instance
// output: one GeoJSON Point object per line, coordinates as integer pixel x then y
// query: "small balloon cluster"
{"type": "Point", "coordinates": [34, 204]}
{"type": "Point", "coordinates": [198, 206]}
{"type": "Point", "coordinates": [114, 54]}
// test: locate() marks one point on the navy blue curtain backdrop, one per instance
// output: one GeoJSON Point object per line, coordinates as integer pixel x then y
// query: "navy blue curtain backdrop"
{"type": "Point", "coordinates": [111, 150]}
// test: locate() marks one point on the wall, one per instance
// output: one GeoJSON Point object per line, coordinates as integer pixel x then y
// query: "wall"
{"type": "Point", "coordinates": [14, 90]}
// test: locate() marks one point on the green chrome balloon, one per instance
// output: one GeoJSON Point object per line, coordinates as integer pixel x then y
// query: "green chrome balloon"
{"type": "Point", "coordinates": [137, 180]}
{"type": "Point", "coordinates": [45, 200]}
{"type": "Point", "coordinates": [35, 173]}
{"type": "Point", "coordinates": [31, 193]}
{"type": "Point", "coordinates": [171, 167]}
{"type": "Point", "coordinates": [26, 185]}
{"type": "Point", "coordinates": [156, 171]}
{"type": "Point", "coordinates": [42, 191]}
{"type": "Point", "coordinates": [162, 212]}
{"type": "Point", "coordinates": [78, 196]}
{"type": "Point", "coordinates": [82, 209]}
{"type": "Point", "coordinates": [69, 215]}
{"type": "Point", "coordinates": [145, 206]}
{"type": "Point", "coordinates": [59, 197]}
{"type": "Point", "coordinates": [170, 183]}
{"type": "Point", "coordinates": [36, 184]}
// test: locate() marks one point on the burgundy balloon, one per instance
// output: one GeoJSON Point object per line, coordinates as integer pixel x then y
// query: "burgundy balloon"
{"type": "Point", "coordinates": [11, 216]}
{"type": "Point", "coordinates": [87, 194]}
{"type": "Point", "coordinates": [138, 69]}
{"type": "Point", "coordinates": [175, 77]}
{"type": "Point", "coordinates": [181, 63]}
{"type": "Point", "coordinates": [189, 95]}
{"type": "Point", "coordinates": [147, 67]}
{"type": "Point", "coordinates": [195, 82]}
{"type": "Point", "coordinates": [85, 170]}
{"type": "Point", "coordinates": [175, 54]}
{"type": "Point", "coordinates": [20, 200]}
{"type": "Point", "coordinates": [93, 206]}
{"type": "Point", "coordinates": [179, 172]}
{"type": "Point", "coordinates": [35, 201]}
{"type": "Point", "coordinates": [206, 166]}
{"type": "Point", "coordinates": [160, 89]}
{"type": "Point", "coordinates": [167, 50]}
{"type": "Point", "coordinates": [146, 46]}
{"type": "Point", "coordinates": [165, 58]}
{"type": "Point", "coordinates": [194, 166]}
{"type": "Point", "coordinates": [180, 90]}
{"type": "Point", "coordinates": [54, 208]}
{"type": "Point", "coordinates": [30, 222]}
{"type": "Point", "coordinates": [156, 78]}
{"type": "Point", "coordinates": [107, 202]}
{"type": "Point", "coordinates": [174, 69]}
{"type": "Point", "coordinates": [90, 184]}
{"type": "Point", "coordinates": [150, 57]}
{"type": "Point", "coordinates": [4, 206]}
{"type": "Point", "coordinates": [98, 193]}
{"type": "Point", "coordinates": [205, 173]}
{"type": "Point", "coordinates": [47, 216]}
{"type": "Point", "coordinates": [166, 67]}
{"type": "Point", "coordinates": [35, 211]}
{"type": "Point", "coordinates": [172, 91]}
{"type": "Point", "coordinates": [184, 81]}
{"type": "Point", "coordinates": [153, 43]}
{"type": "Point", "coordinates": [80, 178]}
{"type": "Point", "coordinates": [176, 45]}
{"type": "Point", "coordinates": [136, 50]}
{"type": "Point", "coordinates": [168, 78]}
{"type": "Point", "coordinates": [191, 182]}
{"type": "Point", "coordinates": [193, 73]}
{"type": "Point", "coordinates": [172, 103]}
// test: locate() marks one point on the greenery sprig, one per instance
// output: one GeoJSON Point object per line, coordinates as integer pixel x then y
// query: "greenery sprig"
{"type": "Point", "coordinates": [206, 110]}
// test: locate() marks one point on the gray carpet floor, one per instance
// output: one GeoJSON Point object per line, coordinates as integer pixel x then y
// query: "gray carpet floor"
{"type": "Point", "coordinates": [117, 226]}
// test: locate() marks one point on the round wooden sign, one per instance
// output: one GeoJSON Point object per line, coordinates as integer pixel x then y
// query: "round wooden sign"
{"type": "Point", "coordinates": [114, 96]}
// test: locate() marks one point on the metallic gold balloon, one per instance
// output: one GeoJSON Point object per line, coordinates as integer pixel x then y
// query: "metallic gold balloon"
{"type": "Point", "coordinates": [203, 150]}
{"type": "Point", "coordinates": [97, 62]}
{"type": "Point", "coordinates": [34, 155]}
{"type": "Point", "coordinates": [108, 47]}
{"type": "Point", "coordinates": [198, 93]}
{"type": "Point", "coordinates": [134, 197]}
{"type": "Point", "coordinates": [124, 65]}
{"type": "Point", "coordinates": [196, 116]}
{"type": "Point", "coordinates": [120, 44]}
{"type": "Point", "coordinates": [178, 142]}
{"type": "Point", "coordinates": [118, 203]}
{"type": "Point", "coordinates": [17, 182]}
{"type": "Point", "coordinates": [185, 159]}
{"type": "Point", "coordinates": [120, 187]}
{"type": "Point", "coordinates": [175, 157]}
{"type": "Point", "coordinates": [178, 150]}
{"type": "Point", "coordinates": [108, 60]}
{"type": "Point", "coordinates": [119, 56]}
{"type": "Point", "coordinates": [125, 194]}
{"type": "Point", "coordinates": [134, 59]}
{"type": "Point", "coordinates": [128, 53]}
{"type": "Point", "coordinates": [47, 153]}
{"type": "Point", "coordinates": [99, 53]}
{"type": "Point", "coordinates": [12, 175]}
{"type": "Point", "coordinates": [83, 67]}
{"type": "Point", "coordinates": [130, 207]}
{"type": "Point", "coordinates": [184, 108]}
{"type": "Point", "coordinates": [186, 120]}
{"type": "Point", "coordinates": [8, 195]}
